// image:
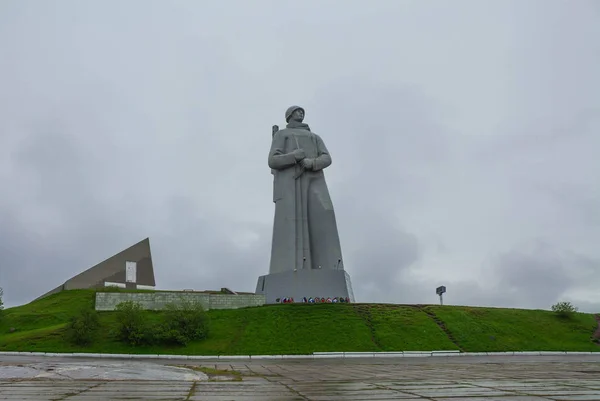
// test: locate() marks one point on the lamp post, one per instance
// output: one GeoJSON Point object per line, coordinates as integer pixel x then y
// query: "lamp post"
{"type": "Point", "coordinates": [440, 291]}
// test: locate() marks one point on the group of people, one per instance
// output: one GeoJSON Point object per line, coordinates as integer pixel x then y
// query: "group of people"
{"type": "Point", "coordinates": [316, 300]}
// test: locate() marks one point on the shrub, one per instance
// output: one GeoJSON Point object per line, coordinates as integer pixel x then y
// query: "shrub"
{"type": "Point", "coordinates": [564, 309]}
{"type": "Point", "coordinates": [179, 324]}
{"type": "Point", "coordinates": [182, 323]}
{"type": "Point", "coordinates": [130, 323]}
{"type": "Point", "coordinates": [110, 288]}
{"type": "Point", "coordinates": [82, 327]}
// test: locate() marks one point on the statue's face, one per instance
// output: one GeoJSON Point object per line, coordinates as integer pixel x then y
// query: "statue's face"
{"type": "Point", "coordinates": [298, 115]}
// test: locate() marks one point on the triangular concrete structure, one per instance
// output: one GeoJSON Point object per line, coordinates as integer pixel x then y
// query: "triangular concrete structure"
{"type": "Point", "coordinates": [112, 270]}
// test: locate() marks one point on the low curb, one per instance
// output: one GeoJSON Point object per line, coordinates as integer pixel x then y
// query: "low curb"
{"type": "Point", "coordinates": [315, 355]}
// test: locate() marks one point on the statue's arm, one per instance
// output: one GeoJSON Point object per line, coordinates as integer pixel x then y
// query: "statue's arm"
{"type": "Point", "coordinates": [324, 159]}
{"type": "Point", "coordinates": [279, 160]}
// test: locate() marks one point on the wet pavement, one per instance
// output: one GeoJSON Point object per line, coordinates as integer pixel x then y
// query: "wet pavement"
{"type": "Point", "coordinates": [485, 378]}
{"type": "Point", "coordinates": [99, 370]}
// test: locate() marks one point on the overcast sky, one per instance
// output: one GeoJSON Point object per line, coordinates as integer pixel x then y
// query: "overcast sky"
{"type": "Point", "coordinates": [465, 138]}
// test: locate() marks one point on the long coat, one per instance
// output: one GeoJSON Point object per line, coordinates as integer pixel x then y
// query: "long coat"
{"type": "Point", "coordinates": [305, 234]}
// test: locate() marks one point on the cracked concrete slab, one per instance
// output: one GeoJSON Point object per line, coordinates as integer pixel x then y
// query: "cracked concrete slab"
{"type": "Point", "coordinates": [485, 378]}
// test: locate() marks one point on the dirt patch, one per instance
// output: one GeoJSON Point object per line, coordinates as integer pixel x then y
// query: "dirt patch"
{"type": "Point", "coordinates": [216, 374]}
{"type": "Point", "coordinates": [365, 313]}
{"type": "Point", "coordinates": [442, 326]}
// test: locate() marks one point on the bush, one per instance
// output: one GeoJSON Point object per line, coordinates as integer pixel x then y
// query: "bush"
{"type": "Point", "coordinates": [182, 323]}
{"type": "Point", "coordinates": [564, 309]}
{"type": "Point", "coordinates": [82, 327]}
{"type": "Point", "coordinates": [130, 323]}
{"type": "Point", "coordinates": [179, 324]}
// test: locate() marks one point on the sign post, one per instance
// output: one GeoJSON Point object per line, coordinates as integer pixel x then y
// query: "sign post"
{"type": "Point", "coordinates": [440, 291]}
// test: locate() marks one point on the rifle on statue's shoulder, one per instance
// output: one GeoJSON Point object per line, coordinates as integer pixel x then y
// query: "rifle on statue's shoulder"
{"type": "Point", "coordinates": [299, 173]}
{"type": "Point", "coordinates": [275, 129]}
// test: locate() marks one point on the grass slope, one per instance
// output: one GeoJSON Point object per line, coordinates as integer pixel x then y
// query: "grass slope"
{"type": "Point", "coordinates": [303, 329]}
{"type": "Point", "coordinates": [496, 329]}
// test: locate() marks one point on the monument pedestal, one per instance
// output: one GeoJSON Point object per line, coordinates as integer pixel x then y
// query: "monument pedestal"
{"type": "Point", "coordinates": [322, 283]}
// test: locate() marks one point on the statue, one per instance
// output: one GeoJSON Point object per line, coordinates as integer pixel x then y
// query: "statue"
{"type": "Point", "coordinates": [305, 234]}
{"type": "Point", "coordinates": [306, 256]}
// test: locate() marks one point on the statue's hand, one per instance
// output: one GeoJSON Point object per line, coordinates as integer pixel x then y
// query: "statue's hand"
{"type": "Point", "coordinates": [299, 154]}
{"type": "Point", "coordinates": [308, 164]}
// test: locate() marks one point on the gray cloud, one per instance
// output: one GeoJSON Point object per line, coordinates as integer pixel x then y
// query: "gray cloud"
{"type": "Point", "coordinates": [463, 139]}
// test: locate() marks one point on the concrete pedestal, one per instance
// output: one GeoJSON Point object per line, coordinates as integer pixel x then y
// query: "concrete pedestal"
{"type": "Point", "coordinates": [322, 283]}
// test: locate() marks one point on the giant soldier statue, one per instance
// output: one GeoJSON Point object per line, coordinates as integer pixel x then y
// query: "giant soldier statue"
{"type": "Point", "coordinates": [306, 257]}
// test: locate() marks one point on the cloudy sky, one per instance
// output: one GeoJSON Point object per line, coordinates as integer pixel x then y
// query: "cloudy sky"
{"type": "Point", "coordinates": [464, 135]}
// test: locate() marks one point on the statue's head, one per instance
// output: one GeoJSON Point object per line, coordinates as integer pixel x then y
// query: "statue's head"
{"type": "Point", "coordinates": [295, 113]}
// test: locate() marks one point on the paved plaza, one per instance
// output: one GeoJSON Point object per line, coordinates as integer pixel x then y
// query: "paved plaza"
{"type": "Point", "coordinates": [481, 378]}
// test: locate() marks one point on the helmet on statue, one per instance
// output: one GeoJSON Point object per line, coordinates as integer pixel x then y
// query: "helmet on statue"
{"type": "Point", "coordinates": [290, 111]}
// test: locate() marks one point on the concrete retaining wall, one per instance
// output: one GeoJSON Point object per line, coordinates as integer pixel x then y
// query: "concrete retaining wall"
{"type": "Point", "coordinates": [107, 301]}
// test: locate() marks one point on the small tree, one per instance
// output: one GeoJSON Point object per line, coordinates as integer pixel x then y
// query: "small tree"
{"type": "Point", "coordinates": [130, 322]}
{"type": "Point", "coordinates": [182, 323]}
{"type": "Point", "coordinates": [1, 302]}
{"type": "Point", "coordinates": [82, 327]}
{"type": "Point", "coordinates": [564, 309]}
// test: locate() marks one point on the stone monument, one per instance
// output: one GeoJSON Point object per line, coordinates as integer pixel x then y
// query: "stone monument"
{"type": "Point", "coordinates": [306, 256]}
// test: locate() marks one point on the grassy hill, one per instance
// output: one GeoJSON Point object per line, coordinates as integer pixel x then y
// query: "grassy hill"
{"type": "Point", "coordinates": [307, 328]}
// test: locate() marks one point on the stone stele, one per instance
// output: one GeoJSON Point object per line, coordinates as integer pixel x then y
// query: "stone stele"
{"type": "Point", "coordinates": [306, 256]}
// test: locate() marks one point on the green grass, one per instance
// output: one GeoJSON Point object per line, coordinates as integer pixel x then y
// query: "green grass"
{"type": "Point", "coordinates": [307, 328]}
{"type": "Point", "coordinates": [302, 329]}
{"type": "Point", "coordinates": [497, 329]}
{"type": "Point", "coordinates": [401, 328]}
{"type": "Point", "coordinates": [52, 310]}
